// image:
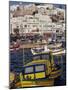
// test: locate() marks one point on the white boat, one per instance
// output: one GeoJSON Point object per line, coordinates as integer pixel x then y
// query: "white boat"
{"type": "Point", "coordinates": [59, 52]}
{"type": "Point", "coordinates": [56, 50]}
{"type": "Point", "coordinates": [41, 50]}
{"type": "Point", "coordinates": [56, 45]}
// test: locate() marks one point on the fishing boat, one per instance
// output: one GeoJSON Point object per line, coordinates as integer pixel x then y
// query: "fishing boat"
{"type": "Point", "coordinates": [41, 71]}
{"type": "Point", "coordinates": [54, 45]}
{"type": "Point", "coordinates": [42, 49]}
{"type": "Point", "coordinates": [14, 46]}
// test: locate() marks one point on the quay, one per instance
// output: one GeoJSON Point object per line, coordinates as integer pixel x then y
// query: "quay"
{"type": "Point", "coordinates": [34, 45]}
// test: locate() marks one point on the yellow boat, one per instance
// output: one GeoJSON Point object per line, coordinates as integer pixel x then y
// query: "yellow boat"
{"type": "Point", "coordinates": [41, 71]}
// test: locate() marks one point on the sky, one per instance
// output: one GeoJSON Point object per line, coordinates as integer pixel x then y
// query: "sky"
{"type": "Point", "coordinates": [26, 3]}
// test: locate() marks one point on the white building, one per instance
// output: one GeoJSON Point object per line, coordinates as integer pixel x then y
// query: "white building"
{"type": "Point", "coordinates": [29, 23]}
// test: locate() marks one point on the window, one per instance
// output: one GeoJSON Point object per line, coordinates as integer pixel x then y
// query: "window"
{"type": "Point", "coordinates": [41, 57]}
{"type": "Point", "coordinates": [36, 57]}
{"type": "Point", "coordinates": [25, 25]}
{"type": "Point", "coordinates": [29, 70]}
{"type": "Point", "coordinates": [57, 31]}
{"type": "Point", "coordinates": [39, 68]}
{"type": "Point", "coordinates": [30, 17]}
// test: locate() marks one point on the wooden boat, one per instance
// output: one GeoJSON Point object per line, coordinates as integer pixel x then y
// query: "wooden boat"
{"type": "Point", "coordinates": [43, 73]}
{"type": "Point", "coordinates": [56, 45]}
{"type": "Point", "coordinates": [44, 69]}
